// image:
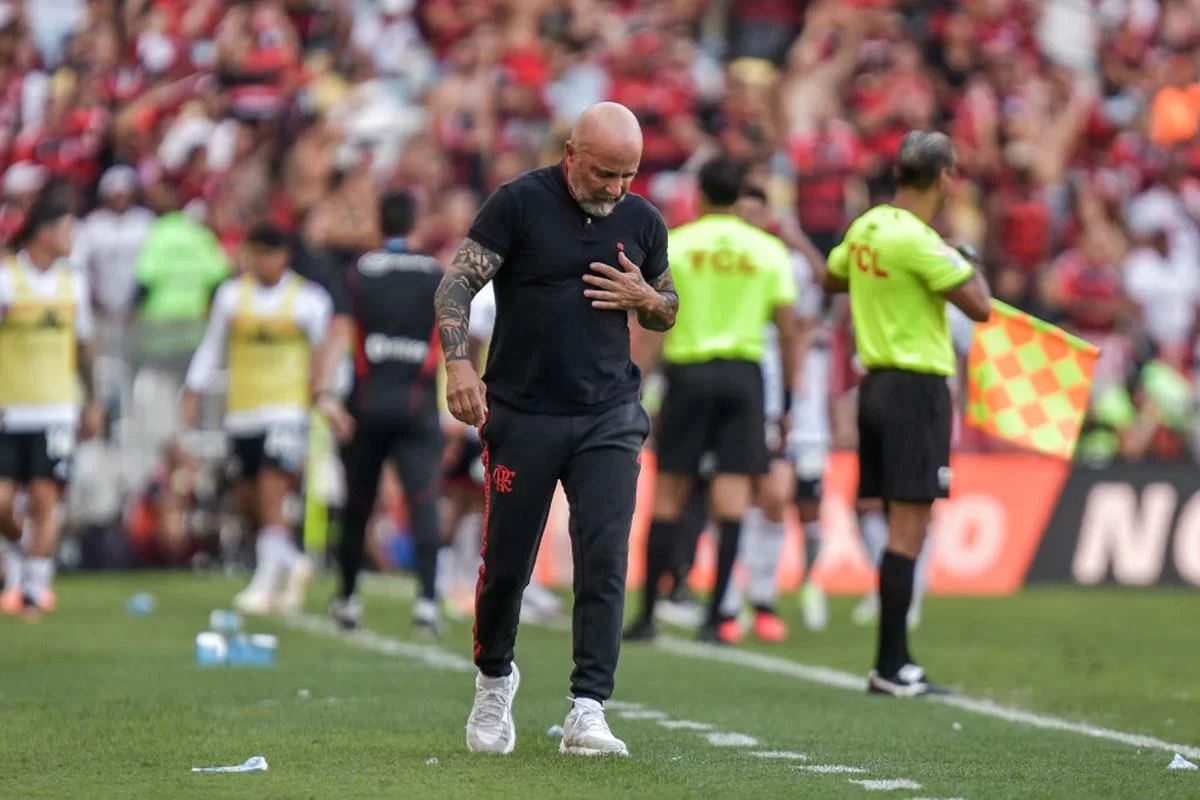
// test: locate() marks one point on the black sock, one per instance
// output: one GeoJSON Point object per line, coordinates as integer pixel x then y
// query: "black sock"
{"type": "Point", "coordinates": [812, 546]}
{"type": "Point", "coordinates": [660, 544]}
{"type": "Point", "coordinates": [730, 532]}
{"type": "Point", "coordinates": [895, 596]}
{"type": "Point", "coordinates": [423, 518]}
{"type": "Point", "coordinates": [350, 546]}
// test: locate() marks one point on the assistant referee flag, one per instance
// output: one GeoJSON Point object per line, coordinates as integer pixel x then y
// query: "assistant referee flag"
{"type": "Point", "coordinates": [1029, 382]}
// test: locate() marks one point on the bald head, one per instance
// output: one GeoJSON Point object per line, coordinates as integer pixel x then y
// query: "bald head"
{"type": "Point", "coordinates": [602, 157]}
{"type": "Point", "coordinates": [608, 126]}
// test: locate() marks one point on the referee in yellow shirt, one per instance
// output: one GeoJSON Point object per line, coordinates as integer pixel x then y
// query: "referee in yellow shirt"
{"type": "Point", "coordinates": [900, 274]}
{"type": "Point", "coordinates": [732, 278]}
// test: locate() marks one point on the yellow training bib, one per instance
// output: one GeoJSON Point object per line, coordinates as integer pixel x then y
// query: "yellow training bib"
{"type": "Point", "coordinates": [37, 344]}
{"type": "Point", "coordinates": [269, 353]}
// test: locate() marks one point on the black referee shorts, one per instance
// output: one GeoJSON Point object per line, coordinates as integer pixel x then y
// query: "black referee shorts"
{"type": "Point", "coordinates": [714, 407]}
{"type": "Point", "coordinates": [904, 428]}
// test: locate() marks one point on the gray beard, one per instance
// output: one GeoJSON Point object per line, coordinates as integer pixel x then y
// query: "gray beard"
{"type": "Point", "coordinates": [595, 209]}
{"type": "Point", "coordinates": [598, 209]}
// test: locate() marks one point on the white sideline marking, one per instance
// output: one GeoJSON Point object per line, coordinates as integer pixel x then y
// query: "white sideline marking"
{"type": "Point", "coordinates": [428, 654]}
{"type": "Point", "coordinates": [937, 798]}
{"type": "Point", "coordinates": [845, 680]}
{"type": "Point", "coordinates": [833, 769]}
{"type": "Point", "coordinates": [622, 705]}
{"type": "Point", "coordinates": [888, 785]}
{"type": "Point", "coordinates": [731, 740]}
{"type": "Point", "coordinates": [787, 755]}
{"type": "Point", "coordinates": [684, 725]}
{"type": "Point", "coordinates": [647, 714]}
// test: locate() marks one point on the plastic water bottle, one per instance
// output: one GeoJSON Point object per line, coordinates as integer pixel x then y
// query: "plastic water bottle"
{"type": "Point", "coordinates": [211, 649]}
{"type": "Point", "coordinates": [256, 650]}
{"type": "Point", "coordinates": [262, 649]}
{"type": "Point", "coordinates": [224, 621]}
{"type": "Point", "coordinates": [140, 604]}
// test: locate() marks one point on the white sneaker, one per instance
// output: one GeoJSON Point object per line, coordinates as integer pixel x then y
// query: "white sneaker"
{"type": "Point", "coordinates": [542, 600]}
{"type": "Point", "coordinates": [291, 599]}
{"type": "Point", "coordinates": [681, 615]}
{"type": "Point", "coordinates": [427, 617]}
{"type": "Point", "coordinates": [490, 728]}
{"type": "Point", "coordinates": [867, 610]}
{"type": "Point", "coordinates": [254, 601]}
{"type": "Point", "coordinates": [814, 607]}
{"type": "Point", "coordinates": [347, 612]}
{"type": "Point", "coordinates": [586, 733]}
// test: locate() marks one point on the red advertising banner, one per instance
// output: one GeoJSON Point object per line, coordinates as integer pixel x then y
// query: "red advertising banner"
{"type": "Point", "coordinates": [983, 538]}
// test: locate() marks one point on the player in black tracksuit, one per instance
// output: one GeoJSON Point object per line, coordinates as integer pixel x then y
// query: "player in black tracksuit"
{"type": "Point", "coordinates": [392, 410]}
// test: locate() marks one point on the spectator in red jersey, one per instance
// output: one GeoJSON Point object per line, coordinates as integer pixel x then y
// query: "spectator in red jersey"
{"type": "Point", "coordinates": [1020, 236]}
{"type": "Point", "coordinates": [1085, 286]}
{"type": "Point", "coordinates": [664, 105]}
{"type": "Point", "coordinates": [825, 160]}
{"type": "Point", "coordinates": [745, 124]}
{"type": "Point", "coordinates": [764, 28]}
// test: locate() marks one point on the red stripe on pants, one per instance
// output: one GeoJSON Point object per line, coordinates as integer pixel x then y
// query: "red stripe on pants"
{"type": "Point", "coordinates": [487, 508]}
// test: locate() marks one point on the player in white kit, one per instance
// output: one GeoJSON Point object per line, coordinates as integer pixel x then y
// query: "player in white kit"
{"type": "Point", "coordinates": [46, 332]}
{"type": "Point", "coordinates": [266, 325]}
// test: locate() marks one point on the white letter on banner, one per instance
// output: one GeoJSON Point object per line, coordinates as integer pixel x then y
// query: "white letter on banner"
{"type": "Point", "coordinates": [1187, 541]}
{"type": "Point", "coordinates": [969, 534]}
{"type": "Point", "coordinates": [1115, 528]}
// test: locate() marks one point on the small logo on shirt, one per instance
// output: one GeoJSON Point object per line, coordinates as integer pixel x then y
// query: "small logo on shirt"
{"type": "Point", "coordinates": [944, 477]}
{"type": "Point", "coordinates": [502, 478]}
{"type": "Point", "coordinates": [380, 348]}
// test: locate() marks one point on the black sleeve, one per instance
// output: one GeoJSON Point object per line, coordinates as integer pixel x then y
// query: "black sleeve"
{"type": "Point", "coordinates": [656, 253]}
{"type": "Point", "coordinates": [495, 226]}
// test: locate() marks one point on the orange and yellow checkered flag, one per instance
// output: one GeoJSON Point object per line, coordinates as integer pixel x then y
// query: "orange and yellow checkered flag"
{"type": "Point", "coordinates": [1029, 382]}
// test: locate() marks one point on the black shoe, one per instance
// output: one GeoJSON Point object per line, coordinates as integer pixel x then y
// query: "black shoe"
{"type": "Point", "coordinates": [346, 612]}
{"type": "Point", "coordinates": [908, 681]}
{"type": "Point", "coordinates": [641, 631]}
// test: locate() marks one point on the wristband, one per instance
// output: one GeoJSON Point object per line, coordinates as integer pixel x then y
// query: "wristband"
{"type": "Point", "coordinates": [787, 400]}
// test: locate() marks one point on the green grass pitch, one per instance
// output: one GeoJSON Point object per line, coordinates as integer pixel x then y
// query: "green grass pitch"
{"type": "Point", "coordinates": [97, 704]}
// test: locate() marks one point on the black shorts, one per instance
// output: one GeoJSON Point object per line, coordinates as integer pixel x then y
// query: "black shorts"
{"type": "Point", "coordinates": [904, 426]}
{"type": "Point", "coordinates": [713, 407]}
{"type": "Point", "coordinates": [33, 455]}
{"type": "Point", "coordinates": [808, 490]}
{"type": "Point", "coordinates": [467, 470]}
{"type": "Point", "coordinates": [283, 448]}
{"type": "Point", "coordinates": [414, 447]}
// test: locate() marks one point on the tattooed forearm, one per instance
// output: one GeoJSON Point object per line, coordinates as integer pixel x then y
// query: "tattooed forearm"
{"type": "Point", "coordinates": [472, 267]}
{"type": "Point", "coordinates": [660, 315]}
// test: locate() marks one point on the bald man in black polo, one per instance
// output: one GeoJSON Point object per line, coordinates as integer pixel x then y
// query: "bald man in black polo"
{"type": "Point", "coordinates": [571, 253]}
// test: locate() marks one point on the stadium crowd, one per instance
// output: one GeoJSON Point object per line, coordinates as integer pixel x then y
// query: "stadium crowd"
{"type": "Point", "coordinates": [179, 124]}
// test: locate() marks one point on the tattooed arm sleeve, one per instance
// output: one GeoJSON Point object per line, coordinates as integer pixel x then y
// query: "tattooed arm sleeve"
{"type": "Point", "coordinates": [473, 266]}
{"type": "Point", "coordinates": [660, 314]}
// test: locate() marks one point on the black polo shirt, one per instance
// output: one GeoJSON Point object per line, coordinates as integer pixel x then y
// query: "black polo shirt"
{"type": "Point", "coordinates": [551, 352]}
